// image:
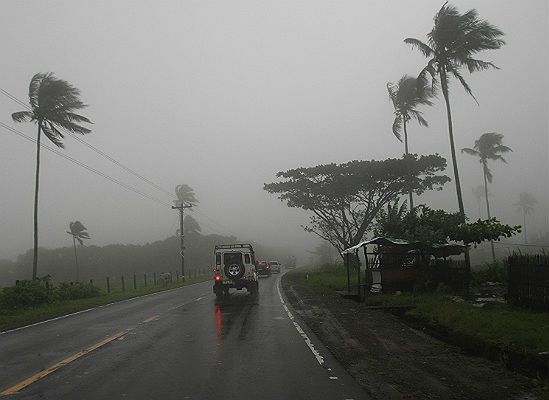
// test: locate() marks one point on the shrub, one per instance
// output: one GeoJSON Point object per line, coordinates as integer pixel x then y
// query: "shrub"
{"type": "Point", "coordinates": [26, 294]}
{"type": "Point", "coordinates": [75, 290]}
{"type": "Point", "coordinates": [490, 271]}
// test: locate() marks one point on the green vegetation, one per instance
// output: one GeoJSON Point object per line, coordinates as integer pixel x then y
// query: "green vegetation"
{"type": "Point", "coordinates": [452, 44]}
{"type": "Point", "coordinates": [488, 147]}
{"type": "Point", "coordinates": [406, 96]}
{"type": "Point", "coordinates": [437, 226]}
{"type": "Point", "coordinates": [344, 199]}
{"type": "Point", "coordinates": [52, 105]}
{"type": "Point", "coordinates": [61, 305]}
{"type": "Point", "coordinates": [503, 326]}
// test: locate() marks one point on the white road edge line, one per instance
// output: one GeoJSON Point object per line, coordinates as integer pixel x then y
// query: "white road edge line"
{"type": "Point", "coordinates": [308, 342]}
{"type": "Point", "coordinates": [94, 308]}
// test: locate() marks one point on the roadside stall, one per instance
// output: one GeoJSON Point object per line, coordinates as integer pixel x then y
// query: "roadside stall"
{"type": "Point", "coordinates": [396, 264]}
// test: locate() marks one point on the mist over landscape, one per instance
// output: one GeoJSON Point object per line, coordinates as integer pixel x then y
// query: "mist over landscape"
{"type": "Point", "coordinates": [223, 95]}
{"type": "Point", "coordinates": [253, 199]}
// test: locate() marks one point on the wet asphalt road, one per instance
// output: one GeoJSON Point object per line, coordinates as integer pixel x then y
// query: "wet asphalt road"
{"type": "Point", "coordinates": [179, 344]}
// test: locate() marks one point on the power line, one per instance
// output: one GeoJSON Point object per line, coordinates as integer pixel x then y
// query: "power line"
{"type": "Point", "coordinates": [111, 159]}
{"type": "Point", "coordinates": [93, 148]}
{"type": "Point", "coordinates": [85, 166]}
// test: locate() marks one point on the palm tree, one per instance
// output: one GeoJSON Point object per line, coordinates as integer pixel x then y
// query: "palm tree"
{"type": "Point", "coordinates": [52, 105]}
{"type": "Point", "coordinates": [406, 97]}
{"type": "Point", "coordinates": [488, 147]}
{"type": "Point", "coordinates": [78, 232]}
{"type": "Point", "coordinates": [526, 206]}
{"type": "Point", "coordinates": [451, 45]}
{"type": "Point", "coordinates": [186, 195]}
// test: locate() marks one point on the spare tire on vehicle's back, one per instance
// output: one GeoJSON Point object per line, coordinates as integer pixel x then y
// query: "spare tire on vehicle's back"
{"type": "Point", "coordinates": [234, 271]}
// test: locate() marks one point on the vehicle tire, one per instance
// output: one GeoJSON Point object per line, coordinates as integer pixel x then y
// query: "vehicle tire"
{"type": "Point", "coordinates": [234, 271]}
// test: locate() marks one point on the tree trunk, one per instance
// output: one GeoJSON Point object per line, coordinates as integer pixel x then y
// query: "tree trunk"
{"type": "Point", "coordinates": [75, 256]}
{"type": "Point", "coordinates": [444, 85]}
{"type": "Point", "coordinates": [484, 171]}
{"type": "Point", "coordinates": [36, 187]}
{"type": "Point", "coordinates": [408, 167]}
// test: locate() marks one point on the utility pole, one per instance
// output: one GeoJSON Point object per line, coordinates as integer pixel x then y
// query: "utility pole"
{"type": "Point", "coordinates": [181, 207]}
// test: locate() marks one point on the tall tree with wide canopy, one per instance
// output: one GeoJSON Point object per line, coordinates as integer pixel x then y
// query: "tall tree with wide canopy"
{"type": "Point", "coordinates": [78, 232]}
{"type": "Point", "coordinates": [344, 199]}
{"type": "Point", "coordinates": [406, 96]}
{"type": "Point", "coordinates": [53, 103]}
{"type": "Point", "coordinates": [525, 205]}
{"type": "Point", "coordinates": [452, 45]}
{"type": "Point", "coordinates": [488, 147]}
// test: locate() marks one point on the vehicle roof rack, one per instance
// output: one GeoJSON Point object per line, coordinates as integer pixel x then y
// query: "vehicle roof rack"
{"type": "Point", "coordinates": [234, 246]}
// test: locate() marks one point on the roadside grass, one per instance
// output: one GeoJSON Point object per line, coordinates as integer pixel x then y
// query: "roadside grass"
{"type": "Point", "coordinates": [503, 326]}
{"type": "Point", "coordinates": [10, 319]}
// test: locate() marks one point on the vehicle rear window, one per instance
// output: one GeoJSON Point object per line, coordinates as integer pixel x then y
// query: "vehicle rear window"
{"type": "Point", "coordinates": [247, 258]}
{"type": "Point", "coordinates": [232, 258]}
{"type": "Point", "coordinates": [218, 259]}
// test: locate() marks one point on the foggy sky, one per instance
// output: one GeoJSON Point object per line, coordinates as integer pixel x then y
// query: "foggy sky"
{"type": "Point", "coordinates": [221, 95]}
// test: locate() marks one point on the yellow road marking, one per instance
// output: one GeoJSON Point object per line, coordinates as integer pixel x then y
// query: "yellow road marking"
{"type": "Point", "coordinates": [21, 385]}
{"type": "Point", "coordinates": [150, 319]}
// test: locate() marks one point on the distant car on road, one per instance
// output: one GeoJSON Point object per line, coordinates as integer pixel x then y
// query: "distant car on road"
{"type": "Point", "coordinates": [275, 266]}
{"type": "Point", "coordinates": [263, 268]}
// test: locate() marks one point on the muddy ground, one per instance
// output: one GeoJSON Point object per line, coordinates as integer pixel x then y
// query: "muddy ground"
{"type": "Point", "coordinates": [391, 360]}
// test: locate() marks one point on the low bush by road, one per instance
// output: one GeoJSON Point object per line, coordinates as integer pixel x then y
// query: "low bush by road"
{"type": "Point", "coordinates": [33, 301]}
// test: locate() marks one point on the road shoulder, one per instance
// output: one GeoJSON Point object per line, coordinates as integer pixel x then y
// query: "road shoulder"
{"type": "Point", "coordinates": [390, 360]}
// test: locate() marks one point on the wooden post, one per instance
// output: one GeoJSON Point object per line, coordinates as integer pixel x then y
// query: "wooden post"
{"type": "Point", "coordinates": [123, 284]}
{"type": "Point", "coordinates": [108, 285]}
{"type": "Point", "coordinates": [91, 282]}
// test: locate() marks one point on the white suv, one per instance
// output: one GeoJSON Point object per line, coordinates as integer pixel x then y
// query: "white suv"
{"type": "Point", "coordinates": [234, 268]}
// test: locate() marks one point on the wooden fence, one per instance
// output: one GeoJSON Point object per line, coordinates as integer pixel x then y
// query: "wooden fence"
{"type": "Point", "coordinates": [138, 281]}
{"type": "Point", "coordinates": [529, 281]}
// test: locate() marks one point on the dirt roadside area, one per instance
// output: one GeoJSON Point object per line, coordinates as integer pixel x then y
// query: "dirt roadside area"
{"type": "Point", "coordinates": [394, 361]}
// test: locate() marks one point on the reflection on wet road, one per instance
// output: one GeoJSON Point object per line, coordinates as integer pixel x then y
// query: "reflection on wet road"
{"type": "Point", "coordinates": [177, 345]}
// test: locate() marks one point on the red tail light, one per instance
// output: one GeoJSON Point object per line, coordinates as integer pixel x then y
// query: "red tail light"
{"type": "Point", "coordinates": [218, 278]}
{"type": "Point", "coordinates": [268, 266]}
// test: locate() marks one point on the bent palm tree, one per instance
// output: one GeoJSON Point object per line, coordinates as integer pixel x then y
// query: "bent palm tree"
{"type": "Point", "coordinates": [52, 105]}
{"type": "Point", "coordinates": [78, 232]}
{"type": "Point", "coordinates": [451, 45]}
{"type": "Point", "coordinates": [406, 96]}
{"type": "Point", "coordinates": [525, 205]}
{"type": "Point", "coordinates": [186, 195]}
{"type": "Point", "coordinates": [488, 147]}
